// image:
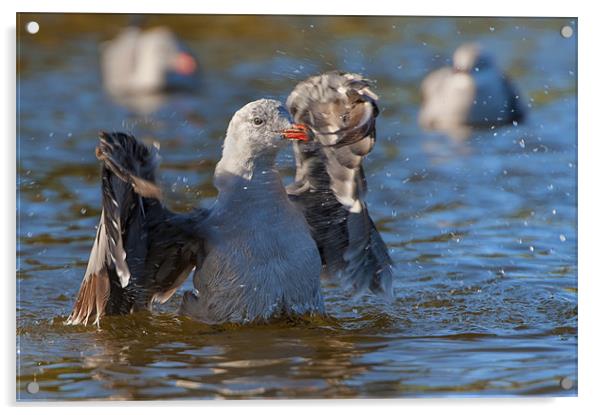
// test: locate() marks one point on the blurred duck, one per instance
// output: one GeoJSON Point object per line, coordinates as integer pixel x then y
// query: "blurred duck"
{"type": "Point", "coordinates": [472, 93]}
{"type": "Point", "coordinates": [147, 62]}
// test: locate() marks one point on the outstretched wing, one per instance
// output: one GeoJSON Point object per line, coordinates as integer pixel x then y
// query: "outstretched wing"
{"type": "Point", "coordinates": [330, 185]}
{"type": "Point", "coordinates": [142, 251]}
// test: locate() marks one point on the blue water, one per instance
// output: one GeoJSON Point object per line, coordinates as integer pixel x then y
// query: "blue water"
{"type": "Point", "coordinates": [482, 231]}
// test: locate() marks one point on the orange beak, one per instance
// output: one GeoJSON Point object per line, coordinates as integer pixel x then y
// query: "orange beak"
{"type": "Point", "coordinates": [298, 132]}
{"type": "Point", "coordinates": [185, 64]}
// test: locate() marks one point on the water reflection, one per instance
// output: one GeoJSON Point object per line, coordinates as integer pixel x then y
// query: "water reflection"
{"type": "Point", "coordinates": [143, 104]}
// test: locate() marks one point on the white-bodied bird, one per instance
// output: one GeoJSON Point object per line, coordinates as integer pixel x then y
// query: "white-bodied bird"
{"type": "Point", "coordinates": [474, 93]}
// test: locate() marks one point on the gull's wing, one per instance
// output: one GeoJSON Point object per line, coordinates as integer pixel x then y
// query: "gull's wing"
{"type": "Point", "coordinates": [330, 185]}
{"type": "Point", "coordinates": [142, 252]}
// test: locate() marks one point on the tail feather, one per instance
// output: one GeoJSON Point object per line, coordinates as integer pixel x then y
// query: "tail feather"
{"type": "Point", "coordinates": [91, 300]}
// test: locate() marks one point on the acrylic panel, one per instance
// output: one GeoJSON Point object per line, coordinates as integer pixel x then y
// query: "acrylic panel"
{"type": "Point", "coordinates": [425, 244]}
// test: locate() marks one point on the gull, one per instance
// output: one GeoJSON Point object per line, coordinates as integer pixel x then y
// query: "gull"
{"type": "Point", "coordinates": [259, 252]}
{"type": "Point", "coordinates": [474, 93]}
{"type": "Point", "coordinates": [144, 62]}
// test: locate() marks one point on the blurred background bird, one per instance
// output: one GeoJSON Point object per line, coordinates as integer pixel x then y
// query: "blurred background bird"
{"type": "Point", "coordinates": [473, 93]}
{"type": "Point", "coordinates": [139, 66]}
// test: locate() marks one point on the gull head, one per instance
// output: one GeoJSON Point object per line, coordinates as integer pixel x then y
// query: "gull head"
{"type": "Point", "coordinates": [263, 126]}
{"type": "Point", "coordinates": [470, 57]}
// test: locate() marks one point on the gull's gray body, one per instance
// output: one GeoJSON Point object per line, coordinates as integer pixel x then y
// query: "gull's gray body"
{"type": "Point", "coordinates": [472, 93]}
{"type": "Point", "coordinates": [260, 259]}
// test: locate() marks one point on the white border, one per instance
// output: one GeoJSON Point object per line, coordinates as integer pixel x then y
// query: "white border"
{"type": "Point", "coordinates": [590, 210]}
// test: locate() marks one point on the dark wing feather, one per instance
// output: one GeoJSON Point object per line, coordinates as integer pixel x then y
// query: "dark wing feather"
{"type": "Point", "coordinates": [142, 251]}
{"type": "Point", "coordinates": [330, 184]}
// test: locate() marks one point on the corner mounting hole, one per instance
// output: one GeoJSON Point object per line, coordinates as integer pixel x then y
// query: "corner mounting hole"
{"type": "Point", "coordinates": [33, 387]}
{"type": "Point", "coordinates": [32, 28]}
{"type": "Point", "coordinates": [566, 32]}
{"type": "Point", "coordinates": [566, 383]}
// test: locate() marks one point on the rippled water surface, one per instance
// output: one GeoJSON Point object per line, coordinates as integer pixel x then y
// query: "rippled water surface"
{"type": "Point", "coordinates": [482, 232]}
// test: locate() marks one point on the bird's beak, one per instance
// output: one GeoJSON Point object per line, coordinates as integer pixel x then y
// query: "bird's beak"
{"type": "Point", "coordinates": [184, 64]}
{"type": "Point", "coordinates": [298, 132]}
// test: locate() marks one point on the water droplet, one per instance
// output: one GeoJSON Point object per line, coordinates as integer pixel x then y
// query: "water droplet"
{"type": "Point", "coordinates": [492, 29]}
{"type": "Point", "coordinates": [531, 248]}
{"type": "Point", "coordinates": [553, 211]}
{"type": "Point", "coordinates": [562, 238]}
{"type": "Point", "coordinates": [522, 143]}
{"type": "Point", "coordinates": [83, 211]}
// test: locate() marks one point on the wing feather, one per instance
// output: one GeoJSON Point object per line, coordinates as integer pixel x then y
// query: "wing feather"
{"type": "Point", "coordinates": [142, 252]}
{"type": "Point", "coordinates": [330, 185]}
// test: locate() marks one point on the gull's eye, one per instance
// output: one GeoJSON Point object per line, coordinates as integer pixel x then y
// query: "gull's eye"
{"type": "Point", "coordinates": [257, 121]}
{"type": "Point", "coordinates": [345, 118]}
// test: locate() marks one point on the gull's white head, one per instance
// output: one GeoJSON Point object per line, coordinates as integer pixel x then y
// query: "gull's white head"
{"type": "Point", "coordinates": [262, 127]}
{"type": "Point", "coordinates": [255, 134]}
